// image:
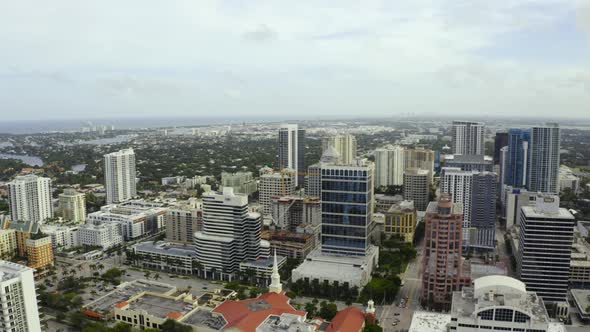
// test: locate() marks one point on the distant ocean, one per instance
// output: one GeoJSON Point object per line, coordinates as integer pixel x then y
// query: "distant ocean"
{"type": "Point", "coordinates": [39, 126]}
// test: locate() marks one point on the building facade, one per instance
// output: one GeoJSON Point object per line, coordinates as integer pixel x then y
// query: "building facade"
{"type": "Point", "coordinates": [401, 220]}
{"type": "Point", "coordinates": [291, 150]}
{"type": "Point", "coordinates": [119, 176]}
{"type": "Point", "coordinates": [182, 223]}
{"type": "Point", "coordinates": [468, 138]}
{"type": "Point", "coordinates": [242, 182]}
{"type": "Point", "coordinates": [545, 248]}
{"type": "Point", "coordinates": [389, 166]}
{"type": "Point", "coordinates": [518, 158]}
{"type": "Point", "coordinates": [30, 198]}
{"type": "Point", "coordinates": [40, 252]}
{"type": "Point", "coordinates": [345, 145]}
{"type": "Point", "coordinates": [417, 187]}
{"type": "Point", "coordinates": [103, 235]}
{"type": "Point", "coordinates": [18, 299]}
{"type": "Point", "coordinates": [7, 243]}
{"type": "Point", "coordinates": [72, 206]}
{"type": "Point", "coordinates": [543, 170]}
{"type": "Point", "coordinates": [419, 158]}
{"type": "Point", "coordinates": [230, 234]}
{"type": "Point", "coordinates": [347, 208]}
{"type": "Point", "coordinates": [275, 184]}
{"type": "Point", "coordinates": [442, 264]}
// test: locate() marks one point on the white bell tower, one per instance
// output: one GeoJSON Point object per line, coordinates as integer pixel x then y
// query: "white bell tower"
{"type": "Point", "coordinates": [275, 279]}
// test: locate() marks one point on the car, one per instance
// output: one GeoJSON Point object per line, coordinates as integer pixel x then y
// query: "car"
{"type": "Point", "coordinates": [396, 314]}
{"type": "Point", "coordinates": [204, 287]}
{"type": "Point", "coordinates": [129, 275]}
{"type": "Point", "coordinates": [394, 323]}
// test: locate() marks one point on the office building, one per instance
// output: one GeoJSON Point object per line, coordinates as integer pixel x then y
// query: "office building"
{"type": "Point", "coordinates": [483, 211]}
{"type": "Point", "coordinates": [419, 158]}
{"type": "Point", "coordinates": [518, 158]}
{"type": "Point", "coordinates": [502, 169]}
{"type": "Point", "coordinates": [18, 299]}
{"type": "Point", "coordinates": [30, 198]}
{"type": "Point", "coordinates": [135, 218]}
{"type": "Point", "coordinates": [401, 221]}
{"type": "Point", "coordinates": [313, 181]}
{"type": "Point", "coordinates": [442, 264]}
{"type": "Point", "coordinates": [39, 252]}
{"type": "Point", "coordinates": [72, 206]}
{"type": "Point", "coordinates": [230, 234]}
{"type": "Point", "coordinates": [568, 180]}
{"type": "Point", "coordinates": [164, 256]}
{"type": "Point", "coordinates": [242, 182]}
{"type": "Point", "coordinates": [275, 184]}
{"type": "Point", "coordinates": [384, 202]}
{"type": "Point", "coordinates": [7, 243]}
{"type": "Point", "coordinates": [545, 248]}
{"type": "Point", "coordinates": [498, 303]}
{"type": "Point", "coordinates": [543, 170]}
{"type": "Point", "coordinates": [347, 208]}
{"type": "Point", "coordinates": [417, 187]}
{"type": "Point", "coordinates": [182, 222]}
{"type": "Point", "coordinates": [500, 141]}
{"type": "Point", "coordinates": [389, 166]}
{"type": "Point", "coordinates": [468, 138]}
{"type": "Point", "coordinates": [291, 151]}
{"type": "Point", "coordinates": [119, 176]}
{"type": "Point", "coordinates": [105, 235]}
{"type": "Point", "coordinates": [515, 199]}
{"type": "Point", "coordinates": [345, 145]}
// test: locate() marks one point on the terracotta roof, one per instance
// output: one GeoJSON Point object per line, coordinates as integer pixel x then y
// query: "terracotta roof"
{"type": "Point", "coordinates": [121, 304]}
{"type": "Point", "coordinates": [350, 319]}
{"type": "Point", "coordinates": [174, 315]}
{"type": "Point", "coordinates": [91, 314]}
{"type": "Point", "coordinates": [247, 315]}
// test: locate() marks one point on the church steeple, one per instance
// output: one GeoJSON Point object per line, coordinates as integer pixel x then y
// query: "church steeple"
{"type": "Point", "coordinates": [275, 279]}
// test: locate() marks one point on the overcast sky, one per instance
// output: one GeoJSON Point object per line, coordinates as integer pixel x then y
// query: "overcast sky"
{"type": "Point", "coordinates": [113, 58]}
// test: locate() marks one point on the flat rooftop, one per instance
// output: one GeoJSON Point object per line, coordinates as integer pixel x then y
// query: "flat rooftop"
{"type": "Point", "coordinates": [203, 317]}
{"type": "Point", "coordinates": [160, 306]}
{"type": "Point", "coordinates": [582, 299]}
{"type": "Point", "coordinates": [126, 291]}
{"type": "Point", "coordinates": [167, 248]}
{"type": "Point", "coordinates": [423, 321]}
{"type": "Point", "coordinates": [285, 322]}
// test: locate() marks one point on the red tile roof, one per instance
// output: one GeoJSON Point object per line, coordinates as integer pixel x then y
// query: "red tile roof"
{"type": "Point", "coordinates": [174, 315]}
{"type": "Point", "coordinates": [239, 315]}
{"type": "Point", "coordinates": [350, 319]}
{"type": "Point", "coordinates": [91, 314]}
{"type": "Point", "coordinates": [121, 304]}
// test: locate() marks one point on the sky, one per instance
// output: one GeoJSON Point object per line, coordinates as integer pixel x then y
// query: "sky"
{"type": "Point", "coordinates": [72, 59]}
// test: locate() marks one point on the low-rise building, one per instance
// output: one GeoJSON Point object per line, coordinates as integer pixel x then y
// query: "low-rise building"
{"type": "Point", "coordinates": [135, 218]}
{"type": "Point", "coordinates": [401, 220]}
{"type": "Point", "coordinates": [164, 256]}
{"type": "Point", "coordinates": [384, 202]}
{"type": "Point", "coordinates": [291, 244]}
{"type": "Point", "coordinates": [262, 268]}
{"type": "Point", "coordinates": [581, 299]}
{"type": "Point", "coordinates": [39, 252]}
{"type": "Point", "coordinates": [104, 235]}
{"type": "Point", "coordinates": [568, 180]}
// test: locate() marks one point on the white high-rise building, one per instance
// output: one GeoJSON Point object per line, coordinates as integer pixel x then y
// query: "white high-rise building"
{"type": "Point", "coordinates": [18, 299]}
{"type": "Point", "coordinates": [468, 138]}
{"type": "Point", "coordinates": [345, 145]}
{"type": "Point", "coordinates": [119, 176]}
{"type": "Point", "coordinates": [291, 150]}
{"type": "Point", "coordinates": [543, 170]}
{"type": "Point", "coordinates": [389, 166]}
{"type": "Point", "coordinates": [30, 198]}
{"type": "Point", "coordinates": [72, 206]}
{"type": "Point", "coordinates": [230, 234]}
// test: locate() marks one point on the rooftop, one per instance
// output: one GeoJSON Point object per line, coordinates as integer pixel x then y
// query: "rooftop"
{"type": "Point", "coordinates": [204, 317]}
{"type": "Point", "coordinates": [467, 159]}
{"type": "Point", "coordinates": [166, 248]}
{"type": "Point", "coordinates": [423, 321]}
{"type": "Point", "coordinates": [9, 270]}
{"type": "Point", "coordinates": [350, 319]}
{"type": "Point", "coordinates": [582, 299]}
{"type": "Point", "coordinates": [161, 306]}
{"type": "Point", "coordinates": [284, 322]}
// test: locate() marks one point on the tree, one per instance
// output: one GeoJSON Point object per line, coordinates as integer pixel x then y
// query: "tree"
{"type": "Point", "coordinates": [311, 309]}
{"type": "Point", "coordinates": [147, 275]}
{"type": "Point", "coordinates": [156, 276]}
{"type": "Point", "coordinates": [328, 310]}
{"type": "Point", "coordinates": [372, 328]}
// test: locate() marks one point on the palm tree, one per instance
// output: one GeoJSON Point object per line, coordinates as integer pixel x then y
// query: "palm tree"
{"type": "Point", "coordinates": [156, 276]}
{"type": "Point", "coordinates": [92, 267]}
{"type": "Point", "coordinates": [100, 267]}
{"type": "Point", "coordinates": [147, 275]}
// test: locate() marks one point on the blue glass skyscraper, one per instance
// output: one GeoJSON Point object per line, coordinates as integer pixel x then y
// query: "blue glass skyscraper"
{"type": "Point", "coordinates": [518, 158]}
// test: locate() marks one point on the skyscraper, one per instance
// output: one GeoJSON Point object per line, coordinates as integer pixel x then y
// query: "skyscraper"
{"type": "Point", "coordinates": [419, 158]}
{"type": "Point", "coordinates": [30, 198]}
{"type": "Point", "coordinates": [345, 145]}
{"type": "Point", "coordinates": [500, 141]}
{"type": "Point", "coordinates": [442, 262]}
{"type": "Point", "coordinates": [291, 150]}
{"type": "Point", "coordinates": [468, 138]}
{"type": "Point", "coordinates": [518, 154]}
{"type": "Point", "coordinates": [72, 206]}
{"type": "Point", "coordinates": [543, 170]}
{"type": "Point", "coordinates": [119, 176]}
{"type": "Point", "coordinates": [230, 233]}
{"type": "Point", "coordinates": [347, 208]}
{"type": "Point", "coordinates": [275, 184]}
{"type": "Point", "coordinates": [417, 187]}
{"type": "Point", "coordinates": [389, 166]}
{"type": "Point", "coordinates": [476, 192]}
{"type": "Point", "coordinates": [19, 300]}
{"type": "Point", "coordinates": [545, 248]}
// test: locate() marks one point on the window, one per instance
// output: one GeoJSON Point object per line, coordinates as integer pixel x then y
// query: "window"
{"type": "Point", "coordinates": [504, 315]}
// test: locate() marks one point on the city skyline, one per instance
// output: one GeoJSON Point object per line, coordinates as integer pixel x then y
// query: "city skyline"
{"type": "Point", "coordinates": [232, 59]}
